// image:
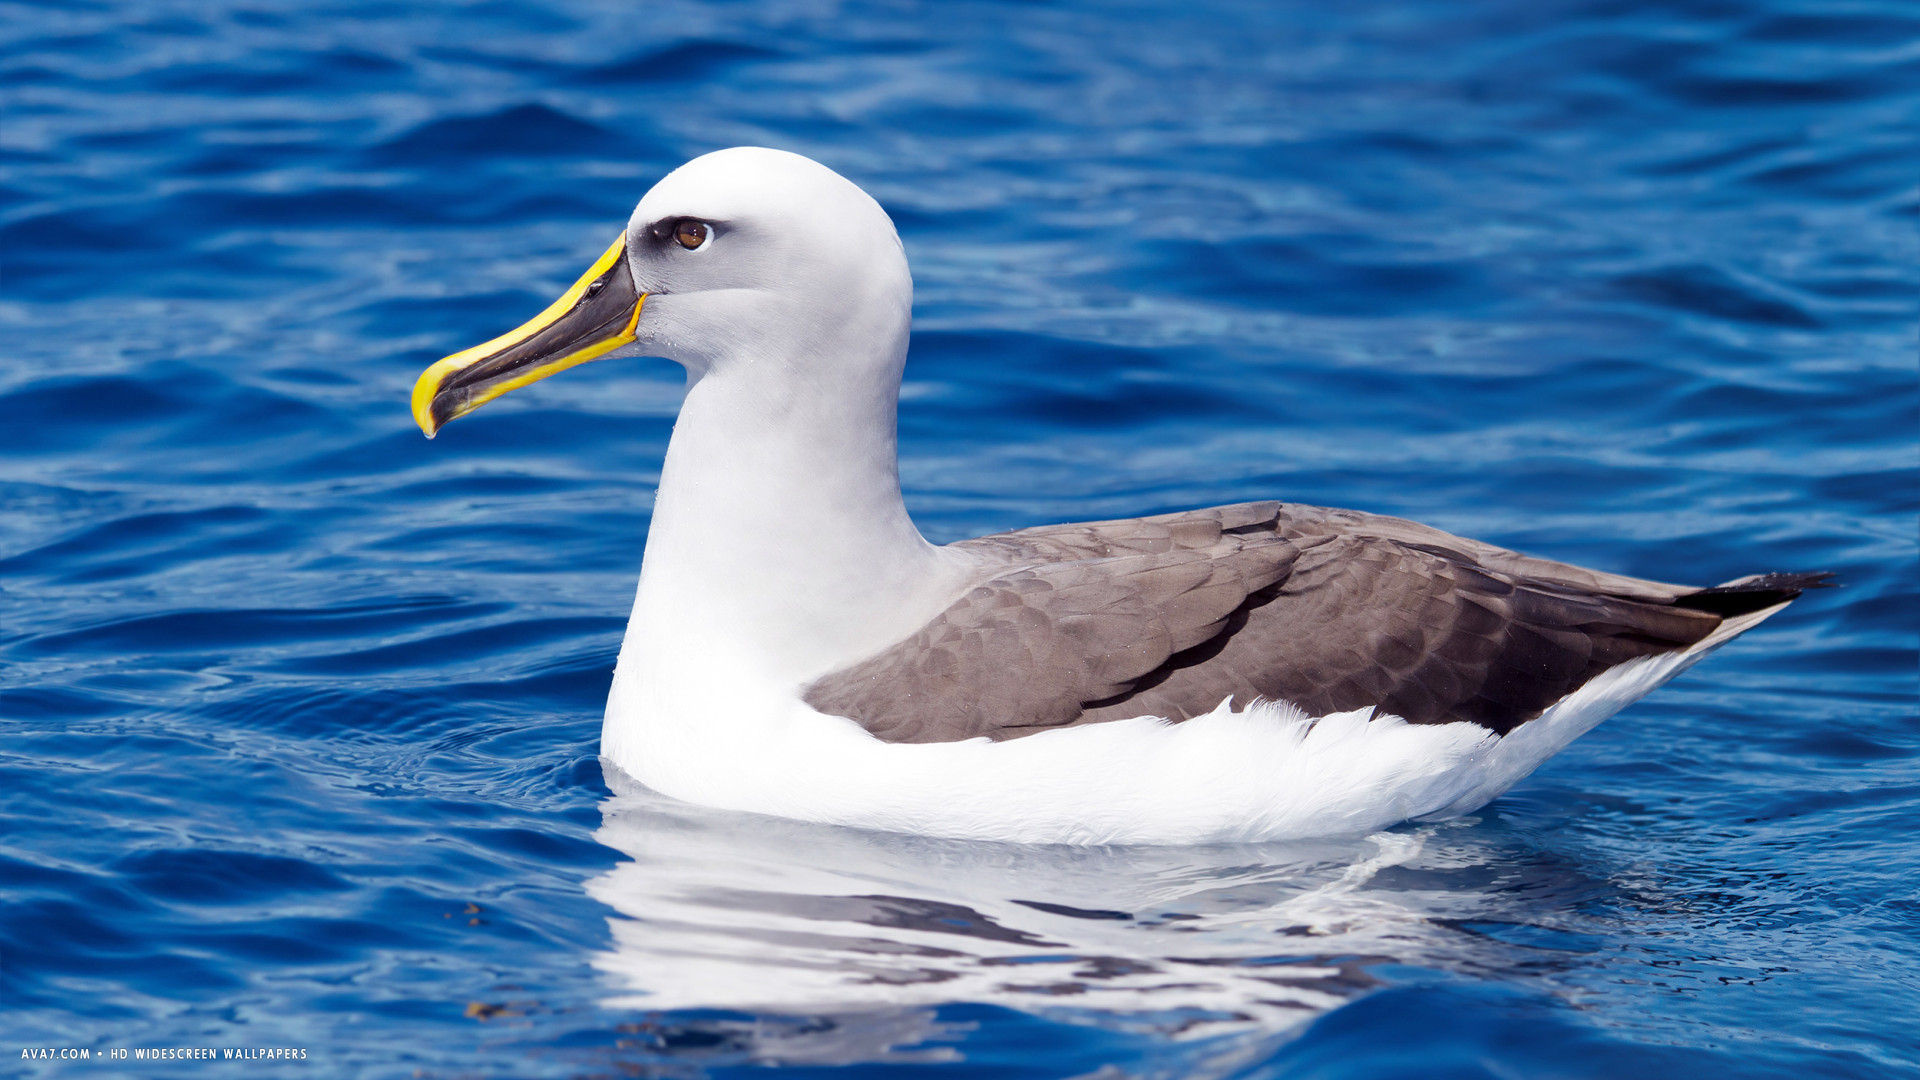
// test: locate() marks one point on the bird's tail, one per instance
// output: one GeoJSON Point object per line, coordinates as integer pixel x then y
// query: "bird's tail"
{"type": "Point", "coordinates": [1744, 596]}
{"type": "Point", "coordinates": [1744, 603]}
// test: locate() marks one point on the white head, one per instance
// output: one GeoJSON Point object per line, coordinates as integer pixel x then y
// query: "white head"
{"type": "Point", "coordinates": [759, 263]}
{"type": "Point", "coordinates": [791, 250]}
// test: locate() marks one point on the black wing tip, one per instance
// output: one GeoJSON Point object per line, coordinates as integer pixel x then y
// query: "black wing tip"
{"type": "Point", "coordinates": [1753, 594]}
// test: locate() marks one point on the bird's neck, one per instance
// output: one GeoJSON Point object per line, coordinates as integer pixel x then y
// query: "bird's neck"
{"type": "Point", "coordinates": [780, 545]}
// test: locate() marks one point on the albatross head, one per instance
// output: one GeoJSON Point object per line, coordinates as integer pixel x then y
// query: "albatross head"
{"type": "Point", "coordinates": [743, 260]}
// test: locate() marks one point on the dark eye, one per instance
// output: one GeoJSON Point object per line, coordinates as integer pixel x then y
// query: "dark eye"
{"type": "Point", "coordinates": [598, 284]}
{"type": "Point", "coordinates": [692, 234]}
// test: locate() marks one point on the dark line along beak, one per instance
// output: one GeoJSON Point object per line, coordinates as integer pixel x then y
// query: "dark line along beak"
{"type": "Point", "coordinates": [595, 316]}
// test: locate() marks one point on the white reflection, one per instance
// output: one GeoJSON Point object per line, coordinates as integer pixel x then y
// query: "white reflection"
{"type": "Point", "coordinates": [767, 916]}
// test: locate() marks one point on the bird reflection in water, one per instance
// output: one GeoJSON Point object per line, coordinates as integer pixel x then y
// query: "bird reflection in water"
{"type": "Point", "coordinates": [839, 945]}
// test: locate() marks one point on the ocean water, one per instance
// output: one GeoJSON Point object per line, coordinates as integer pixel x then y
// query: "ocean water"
{"type": "Point", "coordinates": [299, 712]}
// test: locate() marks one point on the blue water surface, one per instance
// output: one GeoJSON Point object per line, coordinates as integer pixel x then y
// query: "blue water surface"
{"type": "Point", "coordinates": [299, 713]}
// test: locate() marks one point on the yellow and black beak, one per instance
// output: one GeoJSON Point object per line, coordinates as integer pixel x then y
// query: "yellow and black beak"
{"type": "Point", "coordinates": [592, 318]}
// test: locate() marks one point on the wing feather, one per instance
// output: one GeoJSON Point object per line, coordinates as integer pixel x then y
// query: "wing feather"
{"type": "Point", "coordinates": [1328, 609]}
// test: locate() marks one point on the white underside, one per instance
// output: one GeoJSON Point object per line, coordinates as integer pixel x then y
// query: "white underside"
{"type": "Point", "coordinates": [1265, 771]}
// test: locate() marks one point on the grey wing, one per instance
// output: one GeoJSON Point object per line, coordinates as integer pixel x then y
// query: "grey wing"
{"type": "Point", "coordinates": [1330, 610]}
{"type": "Point", "coordinates": [1075, 614]}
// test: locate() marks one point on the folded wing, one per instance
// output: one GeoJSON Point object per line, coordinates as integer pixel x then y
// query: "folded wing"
{"type": "Point", "coordinates": [1330, 610]}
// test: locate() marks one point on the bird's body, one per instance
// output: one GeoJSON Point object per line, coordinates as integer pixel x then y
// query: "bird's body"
{"type": "Point", "coordinates": [1249, 672]}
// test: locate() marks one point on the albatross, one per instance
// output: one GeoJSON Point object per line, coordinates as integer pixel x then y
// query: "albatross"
{"type": "Point", "coordinates": [1259, 671]}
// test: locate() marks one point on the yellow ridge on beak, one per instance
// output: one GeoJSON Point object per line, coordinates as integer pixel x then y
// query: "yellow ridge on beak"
{"type": "Point", "coordinates": [595, 316]}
